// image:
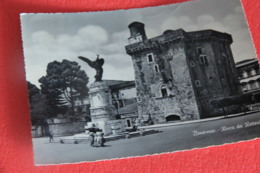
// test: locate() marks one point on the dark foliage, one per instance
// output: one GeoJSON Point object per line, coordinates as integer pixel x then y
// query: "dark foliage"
{"type": "Point", "coordinates": [63, 82]}
{"type": "Point", "coordinates": [235, 100]}
{"type": "Point", "coordinates": [40, 110]}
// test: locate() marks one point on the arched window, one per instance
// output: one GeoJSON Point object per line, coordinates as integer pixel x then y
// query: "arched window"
{"type": "Point", "coordinates": [164, 91]}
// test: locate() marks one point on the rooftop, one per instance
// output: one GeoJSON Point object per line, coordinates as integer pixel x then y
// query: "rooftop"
{"type": "Point", "coordinates": [122, 84]}
{"type": "Point", "coordinates": [246, 62]}
{"type": "Point", "coordinates": [128, 109]}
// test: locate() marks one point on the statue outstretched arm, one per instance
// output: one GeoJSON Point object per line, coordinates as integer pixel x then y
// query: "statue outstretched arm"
{"type": "Point", "coordinates": [90, 63]}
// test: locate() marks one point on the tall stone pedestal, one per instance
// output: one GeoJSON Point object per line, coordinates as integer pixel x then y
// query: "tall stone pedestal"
{"type": "Point", "coordinates": [102, 111]}
{"type": "Point", "coordinates": [101, 102]}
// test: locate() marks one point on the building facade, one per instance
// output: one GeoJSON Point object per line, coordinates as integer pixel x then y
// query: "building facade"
{"type": "Point", "coordinates": [124, 100]}
{"type": "Point", "coordinates": [249, 75]}
{"type": "Point", "coordinates": [178, 73]}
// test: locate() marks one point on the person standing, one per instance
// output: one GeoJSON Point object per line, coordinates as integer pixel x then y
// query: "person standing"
{"type": "Point", "coordinates": [92, 138]}
{"type": "Point", "coordinates": [50, 137]}
{"type": "Point", "coordinates": [100, 140]}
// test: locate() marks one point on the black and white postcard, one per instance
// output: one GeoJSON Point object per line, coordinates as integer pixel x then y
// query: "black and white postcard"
{"type": "Point", "coordinates": [127, 83]}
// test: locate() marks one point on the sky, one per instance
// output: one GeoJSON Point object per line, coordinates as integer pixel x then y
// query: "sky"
{"type": "Point", "coordinates": [57, 36]}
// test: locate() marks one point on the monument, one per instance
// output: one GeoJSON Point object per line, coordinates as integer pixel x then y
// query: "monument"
{"type": "Point", "coordinates": [97, 65]}
{"type": "Point", "coordinates": [101, 109]}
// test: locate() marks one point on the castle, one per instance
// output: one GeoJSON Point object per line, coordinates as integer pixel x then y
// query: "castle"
{"type": "Point", "coordinates": [178, 73]}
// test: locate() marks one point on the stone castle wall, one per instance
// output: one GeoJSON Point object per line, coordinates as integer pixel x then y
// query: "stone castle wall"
{"type": "Point", "coordinates": [182, 81]}
{"type": "Point", "coordinates": [70, 128]}
{"type": "Point", "coordinates": [217, 75]}
{"type": "Point", "coordinates": [180, 100]}
{"type": "Point", "coordinates": [58, 127]}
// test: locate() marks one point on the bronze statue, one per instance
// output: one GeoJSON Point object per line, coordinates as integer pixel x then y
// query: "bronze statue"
{"type": "Point", "coordinates": [97, 65]}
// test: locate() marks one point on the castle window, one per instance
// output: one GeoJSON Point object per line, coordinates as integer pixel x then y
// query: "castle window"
{"type": "Point", "coordinates": [245, 74]}
{"type": "Point", "coordinates": [199, 50]}
{"type": "Point", "coordinates": [164, 91]}
{"type": "Point", "coordinates": [253, 72]}
{"type": "Point", "coordinates": [253, 85]}
{"type": "Point", "coordinates": [192, 64]}
{"type": "Point", "coordinates": [197, 83]}
{"type": "Point", "coordinates": [203, 59]}
{"type": "Point", "coordinates": [128, 123]}
{"type": "Point", "coordinates": [150, 57]}
{"type": "Point", "coordinates": [156, 68]}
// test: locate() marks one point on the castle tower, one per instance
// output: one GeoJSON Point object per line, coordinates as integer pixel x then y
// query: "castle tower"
{"type": "Point", "coordinates": [161, 94]}
{"type": "Point", "coordinates": [137, 32]}
{"type": "Point", "coordinates": [178, 73]}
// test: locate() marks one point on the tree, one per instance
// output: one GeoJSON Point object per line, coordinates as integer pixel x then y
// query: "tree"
{"type": "Point", "coordinates": [233, 100]}
{"type": "Point", "coordinates": [32, 90]}
{"type": "Point", "coordinates": [40, 110]}
{"type": "Point", "coordinates": [39, 107]}
{"type": "Point", "coordinates": [242, 100]}
{"type": "Point", "coordinates": [63, 82]}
